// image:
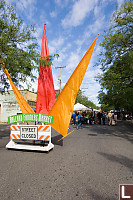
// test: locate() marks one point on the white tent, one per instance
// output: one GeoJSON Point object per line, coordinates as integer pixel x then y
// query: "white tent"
{"type": "Point", "coordinates": [95, 110]}
{"type": "Point", "coordinates": [81, 107]}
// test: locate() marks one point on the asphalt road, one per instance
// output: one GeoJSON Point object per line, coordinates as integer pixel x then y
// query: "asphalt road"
{"type": "Point", "coordinates": [88, 164]}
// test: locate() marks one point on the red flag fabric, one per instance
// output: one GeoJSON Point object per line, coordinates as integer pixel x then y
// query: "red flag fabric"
{"type": "Point", "coordinates": [45, 91]}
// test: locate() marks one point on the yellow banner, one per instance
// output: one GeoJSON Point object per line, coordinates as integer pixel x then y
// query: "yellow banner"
{"type": "Point", "coordinates": [63, 107]}
{"type": "Point", "coordinates": [24, 106]}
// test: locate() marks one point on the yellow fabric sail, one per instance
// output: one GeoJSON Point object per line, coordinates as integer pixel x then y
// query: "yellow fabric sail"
{"type": "Point", "coordinates": [63, 107]}
{"type": "Point", "coordinates": [24, 106]}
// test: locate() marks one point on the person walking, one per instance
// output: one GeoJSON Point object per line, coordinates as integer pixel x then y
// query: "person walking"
{"type": "Point", "coordinates": [90, 119]}
{"type": "Point", "coordinates": [121, 116]}
{"type": "Point", "coordinates": [79, 121]}
{"type": "Point", "coordinates": [103, 117]}
{"type": "Point", "coordinates": [115, 118]}
{"type": "Point", "coordinates": [74, 118]}
{"type": "Point", "coordinates": [99, 115]}
{"type": "Point", "coordinates": [110, 118]}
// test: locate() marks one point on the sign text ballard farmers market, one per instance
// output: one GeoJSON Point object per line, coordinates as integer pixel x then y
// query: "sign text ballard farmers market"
{"type": "Point", "coordinates": [31, 117]}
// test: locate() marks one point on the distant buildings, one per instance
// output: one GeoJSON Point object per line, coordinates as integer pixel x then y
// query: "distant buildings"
{"type": "Point", "coordinates": [9, 105]}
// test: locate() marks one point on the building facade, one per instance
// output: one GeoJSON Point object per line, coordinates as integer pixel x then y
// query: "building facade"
{"type": "Point", "coordinates": [9, 105]}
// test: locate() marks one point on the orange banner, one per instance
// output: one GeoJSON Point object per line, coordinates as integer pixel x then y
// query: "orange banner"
{"type": "Point", "coordinates": [24, 106]}
{"type": "Point", "coordinates": [63, 107]}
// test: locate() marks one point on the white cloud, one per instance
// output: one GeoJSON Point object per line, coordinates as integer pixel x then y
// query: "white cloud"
{"type": "Point", "coordinates": [94, 28]}
{"type": "Point", "coordinates": [92, 91]}
{"type": "Point", "coordinates": [80, 10]}
{"type": "Point", "coordinates": [120, 2]}
{"type": "Point", "coordinates": [53, 14]}
{"type": "Point", "coordinates": [98, 49]}
{"type": "Point", "coordinates": [28, 7]}
{"type": "Point", "coordinates": [58, 2]}
{"type": "Point", "coordinates": [92, 72]}
{"type": "Point", "coordinates": [43, 18]}
{"type": "Point", "coordinates": [79, 42]}
{"type": "Point", "coordinates": [106, 1]}
{"type": "Point", "coordinates": [59, 5]}
{"type": "Point", "coordinates": [62, 3]}
{"type": "Point", "coordinates": [90, 83]}
{"type": "Point", "coordinates": [56, 81]}
{"type": "Point", "coordinates": [39, 32]}
{"type": "Point", "coordinates": [97, 10]}
{"type": "Point", "coordinates": [73, 60]}
{"type": "Point", "coordinates": [56, 44]}
{"type": "Point", "coordinates": [97, 25]}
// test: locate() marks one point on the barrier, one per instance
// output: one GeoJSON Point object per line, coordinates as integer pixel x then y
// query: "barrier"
{"type": "Point", "coordinates": [40, 133]}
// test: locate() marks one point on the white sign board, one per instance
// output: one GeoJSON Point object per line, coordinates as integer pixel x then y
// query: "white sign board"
{"type": "Point", "coordinates": [28, 133]}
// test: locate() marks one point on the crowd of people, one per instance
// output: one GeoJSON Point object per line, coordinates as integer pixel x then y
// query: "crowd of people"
{"type": "Point", "coordinates": [100, 117]}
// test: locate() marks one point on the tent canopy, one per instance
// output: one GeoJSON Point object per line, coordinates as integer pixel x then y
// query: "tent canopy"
{"type": "Point", "coordinates": [95, 110]}
{"type": "Point", "coordinates": [81, 107]}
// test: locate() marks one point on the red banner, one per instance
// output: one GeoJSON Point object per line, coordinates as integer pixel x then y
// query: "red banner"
{"type": "Point", "coordinates": [45, 92]}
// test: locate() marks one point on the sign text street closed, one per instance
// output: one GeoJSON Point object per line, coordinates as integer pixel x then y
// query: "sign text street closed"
{"type": "Point", "coordinates": [28, 133]}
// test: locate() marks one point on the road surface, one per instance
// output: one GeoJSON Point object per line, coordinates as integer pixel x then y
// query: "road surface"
{"type": "Point", "coordinates": [89, 164]}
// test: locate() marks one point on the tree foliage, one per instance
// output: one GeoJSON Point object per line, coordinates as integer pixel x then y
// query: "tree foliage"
{"type": "Point", "coordinates": [84, 100]}
{"type": "Point", "coordinates": [18, 46]}
{"type": "Point", "coordinates": [117, 78]}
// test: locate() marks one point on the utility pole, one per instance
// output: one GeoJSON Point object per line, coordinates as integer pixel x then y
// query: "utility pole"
{"type": "Point", "coordinates": [60, 76]}
{"type": "Point", "coordinates": [1, 78]}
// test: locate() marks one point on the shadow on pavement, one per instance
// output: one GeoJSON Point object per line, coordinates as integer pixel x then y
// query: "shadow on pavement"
{"type": "Point", "coordinates": [55, 140]}
{"type": "Point", "coordinates": [122, 130]}
{"type": "Point", "coordinates": [119, 159]}
{"type": "Point", "coordinates": [92, 134]}
{"type": "Point", "coordinates": [97, 196]}
{"type": "Point", "coordinates": [4, 131]}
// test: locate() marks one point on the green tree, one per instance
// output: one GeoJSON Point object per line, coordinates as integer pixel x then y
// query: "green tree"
{"type": "Point", "coordinates": [84, 100]}
{"type": "Point", "coordinates": [117, 78]}
{"type": "Point", "coordinates": [18, 47]}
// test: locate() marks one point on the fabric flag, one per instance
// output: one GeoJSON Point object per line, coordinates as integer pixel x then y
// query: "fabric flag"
{"type": "Point", "coordinates": [63, 108]}
{"type": "Point", "coordinates": [45, 92]}
{"type": "Point", "coordinates": [24, 106]}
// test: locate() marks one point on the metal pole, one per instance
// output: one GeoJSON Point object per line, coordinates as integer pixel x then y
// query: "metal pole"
{"type": "Point", "coordinates": [60, 76]}
{"type": "Point", "coordinates": [60, 79]}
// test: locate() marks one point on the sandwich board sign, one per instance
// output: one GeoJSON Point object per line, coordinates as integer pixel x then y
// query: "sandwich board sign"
{"type": "Point", "coordinates": [39, 133]}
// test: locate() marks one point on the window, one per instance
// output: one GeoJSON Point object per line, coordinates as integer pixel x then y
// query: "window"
{"type": "Point", "coordinates": [32, 103]}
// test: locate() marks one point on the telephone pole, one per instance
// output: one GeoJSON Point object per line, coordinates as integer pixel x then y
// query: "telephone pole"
{"type": "Point", "coordinates": [60, 76]}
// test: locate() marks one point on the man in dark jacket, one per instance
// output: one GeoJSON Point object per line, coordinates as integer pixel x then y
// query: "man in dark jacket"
{"type": "Point", "coordinates": [99, 115]}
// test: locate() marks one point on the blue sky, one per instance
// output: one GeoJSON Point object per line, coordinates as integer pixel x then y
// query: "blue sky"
{"type": "Point", "coordinates": [71, 27]}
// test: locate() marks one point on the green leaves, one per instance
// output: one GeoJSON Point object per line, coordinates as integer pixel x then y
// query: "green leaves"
{"type": "Point", "coordinates": [119, 37]}
{"type": "Point", "coordinates": [18, 47]}
{"type": "Point", "coordinates": [84, 100]}
{"type": "Point", "coordinates": [117, 78]}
